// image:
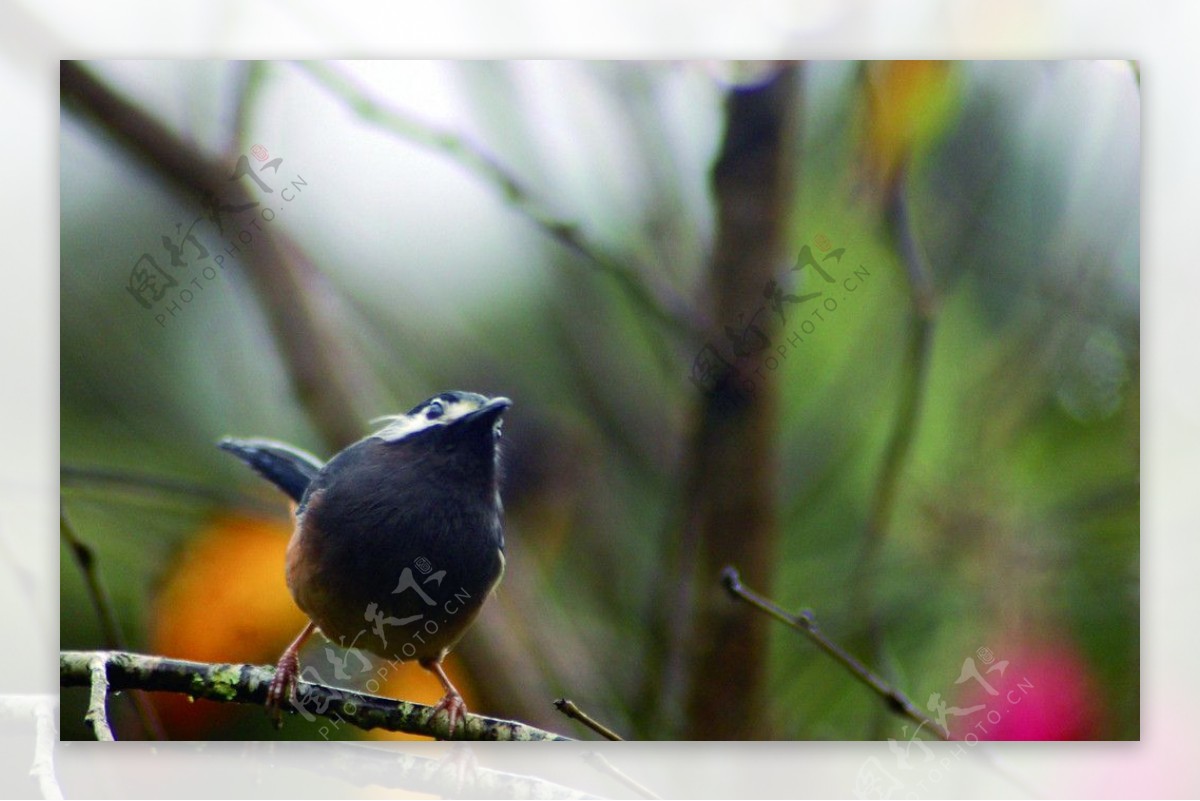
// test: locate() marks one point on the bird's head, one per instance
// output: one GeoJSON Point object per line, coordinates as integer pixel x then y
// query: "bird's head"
{"type": "Point", "coordinates": [448, 417]}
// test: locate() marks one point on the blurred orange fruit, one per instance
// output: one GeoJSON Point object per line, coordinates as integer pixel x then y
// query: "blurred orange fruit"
{"type": "Point", "coordinates": [226, 600]}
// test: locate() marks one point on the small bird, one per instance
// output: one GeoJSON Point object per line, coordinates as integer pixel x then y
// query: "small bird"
{"type": "Point", "coordinates": [399, 538]}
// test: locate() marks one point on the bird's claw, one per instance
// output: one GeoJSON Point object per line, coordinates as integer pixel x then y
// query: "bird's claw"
{"type": "Point", "coordinates": [454, 710]}
{"type": "Point", "coordinates": [282, 687]}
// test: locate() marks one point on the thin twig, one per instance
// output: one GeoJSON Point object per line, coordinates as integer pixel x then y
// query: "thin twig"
{"type": "Point", "coordinates": [601, 764]}
{"type": "Point", "coordinates": [568, 708]}
{"type": "Point", "coordinates": [918, 350]}
{"type": "Point", "coordinates": [247, 684]}
{"type": "Point", "coordinates": [110, 628]}
{"type": "Point", "coordinates": [85, 557]}
{"type": "Point", "coordinates": [97, 711]}
{"type": "Point", "coordinates": [82, 477]}
{"type": "Point", "coordinates": [667, 309]}
{"type": "Point", "coordinates": [251, 81]}
{"type": "Point", "coordinates": [806, 624]}
{"type": "Point", "coordinates": [325, 375]}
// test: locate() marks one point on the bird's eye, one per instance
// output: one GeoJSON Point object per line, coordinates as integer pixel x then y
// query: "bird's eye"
{"type": "Point", "coordinates": [434, 411]}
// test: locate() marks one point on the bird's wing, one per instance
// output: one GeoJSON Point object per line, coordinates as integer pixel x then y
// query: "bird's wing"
{"type": "Point", "coordinates": [285, 466]}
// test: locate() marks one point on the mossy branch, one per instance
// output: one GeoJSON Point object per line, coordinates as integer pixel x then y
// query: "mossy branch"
{"type": "Point", "coordinates": [247, 684]}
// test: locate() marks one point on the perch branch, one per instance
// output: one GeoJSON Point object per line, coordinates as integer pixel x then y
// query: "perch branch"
{"type": "Point", "coordinates": [247, 684]}
{"type": "Point", "coordinates": [568, 708]}
{"type": "Point", "coordinates": [806, 624]}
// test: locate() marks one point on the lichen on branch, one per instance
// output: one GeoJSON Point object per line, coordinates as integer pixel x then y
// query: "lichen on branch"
{"type": "Point", "coordinates": [247, 684]}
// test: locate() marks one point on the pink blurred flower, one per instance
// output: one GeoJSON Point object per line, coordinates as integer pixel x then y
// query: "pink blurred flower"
{"type": "Point", "coordinates": [1027, 691]}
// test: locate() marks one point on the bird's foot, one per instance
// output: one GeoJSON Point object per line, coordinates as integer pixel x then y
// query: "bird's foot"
{"type": "Point", "coordinates": [454, 710]}
{"type": "Point", "coordinates": [283, 686]}
{"type": "Point", "coordinates": [283, 683]}
{"type": "Point", "coordinates": [463, 770]}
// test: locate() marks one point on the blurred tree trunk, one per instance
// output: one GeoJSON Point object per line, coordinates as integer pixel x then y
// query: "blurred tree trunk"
{"type": "Point", "coordinates": [731, 514]}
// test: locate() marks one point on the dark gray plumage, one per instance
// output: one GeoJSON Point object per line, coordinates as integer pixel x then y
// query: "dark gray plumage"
{"type": "Point", "coordinates": [399, 538]}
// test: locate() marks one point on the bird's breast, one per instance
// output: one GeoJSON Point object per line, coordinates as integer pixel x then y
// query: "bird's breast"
{"type": "Point", "coordinates": [403, 580]}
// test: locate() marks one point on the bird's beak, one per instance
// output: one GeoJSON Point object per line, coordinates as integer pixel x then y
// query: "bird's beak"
{"type": "Point", "coordinates": [487, 413]}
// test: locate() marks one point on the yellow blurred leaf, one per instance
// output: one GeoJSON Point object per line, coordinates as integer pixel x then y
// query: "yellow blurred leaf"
{"type": "Point", "coordinates": [908, 105]}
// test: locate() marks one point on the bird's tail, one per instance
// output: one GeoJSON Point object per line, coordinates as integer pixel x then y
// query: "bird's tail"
{"type": "Point", "coordinates": [288, 468]}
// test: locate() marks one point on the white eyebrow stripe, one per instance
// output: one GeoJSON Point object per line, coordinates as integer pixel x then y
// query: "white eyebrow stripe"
{"type": "Point", "coordinates": [404, 425]}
